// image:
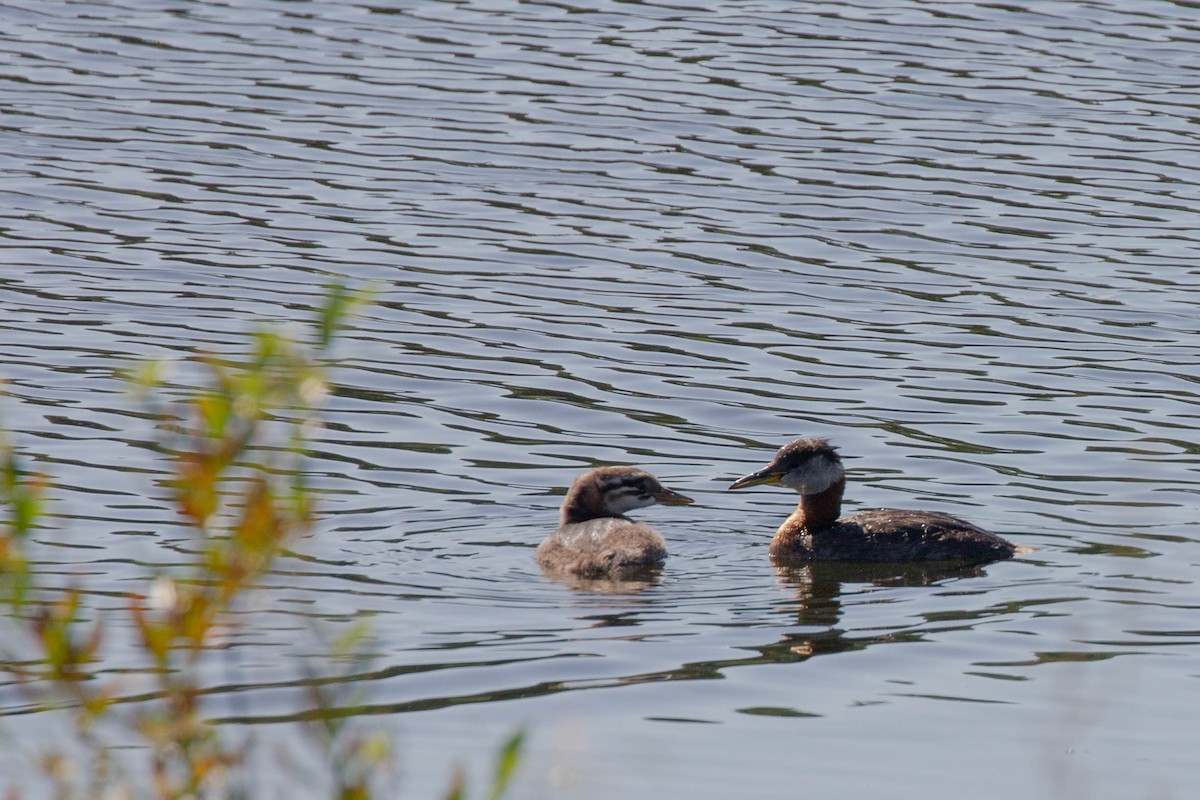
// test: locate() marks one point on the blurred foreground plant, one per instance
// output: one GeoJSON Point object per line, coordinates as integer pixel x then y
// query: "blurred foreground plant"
{"type": "Point", "coordinates": [507, 761]}
{"type": "Point", "coordinates": [236, 449]}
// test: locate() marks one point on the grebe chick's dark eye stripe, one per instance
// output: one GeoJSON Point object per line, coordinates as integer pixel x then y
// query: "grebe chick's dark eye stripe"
{"type": "Point", "coordinates": [625, 486]}
{"type": "Point", "coordinates": [815, 532]}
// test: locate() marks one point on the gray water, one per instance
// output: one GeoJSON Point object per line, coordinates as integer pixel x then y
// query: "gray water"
{"type": "Point", "coordinates": [959, 239]}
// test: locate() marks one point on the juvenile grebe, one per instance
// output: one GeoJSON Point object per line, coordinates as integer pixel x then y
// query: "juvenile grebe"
{"type": "Point", "coordinates": [815, 533]}
{"type": "Point", "coordinates": [593, 538]}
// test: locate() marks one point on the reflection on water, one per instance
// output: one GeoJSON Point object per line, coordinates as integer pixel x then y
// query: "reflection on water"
{"type": "Point", "coordinates": [956, 238]}
{"type": "Point", "coordinates": [622, 585]}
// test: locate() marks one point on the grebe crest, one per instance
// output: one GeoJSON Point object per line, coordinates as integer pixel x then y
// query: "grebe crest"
{"type": "Point", "coordinates": [808, 466]}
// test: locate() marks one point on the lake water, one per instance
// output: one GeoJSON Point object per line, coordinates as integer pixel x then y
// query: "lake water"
{"type": "Point", "coordinates": [959, 239]}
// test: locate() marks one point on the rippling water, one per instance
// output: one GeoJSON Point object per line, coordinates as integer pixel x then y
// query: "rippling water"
{"type": "Point", "coordinates": [956, 238]}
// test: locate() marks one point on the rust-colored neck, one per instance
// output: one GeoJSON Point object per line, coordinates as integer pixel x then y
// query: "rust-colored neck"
{"type": "Point", "coordinates": [820, 510]}
{"type": "Point", "coordinates": [816, 511]}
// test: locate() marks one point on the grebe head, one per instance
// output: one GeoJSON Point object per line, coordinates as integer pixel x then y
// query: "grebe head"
{"type": "Point", "coordinates": [810, 466]}
{"type": "Point", "coordinates": [612, 491]}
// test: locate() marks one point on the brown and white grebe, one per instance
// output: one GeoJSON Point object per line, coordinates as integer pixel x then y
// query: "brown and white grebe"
{"type": "Point", "coordinates": [814, 532]}
{"type": "Point", "coordinates": [594, 538]}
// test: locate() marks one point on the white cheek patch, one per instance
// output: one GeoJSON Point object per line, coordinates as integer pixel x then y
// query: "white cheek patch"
{"type": "Point", "coordinates": [813, 476]}
{"type": "Point", "coordinates": [626, 499]}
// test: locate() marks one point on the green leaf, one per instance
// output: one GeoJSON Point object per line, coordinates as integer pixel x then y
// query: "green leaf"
{"type": "Point", "coordinates": [506, 764]}
{"type": "Point", "coordinates": [458, 786]}
{"type": "Point", "coordinates": [340, 304]}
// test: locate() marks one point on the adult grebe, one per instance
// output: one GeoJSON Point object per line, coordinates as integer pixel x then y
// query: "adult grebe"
{"type": "Point", "coordinates": [593, 538]}
{"type": "Point", "coordinates": [815, 533]}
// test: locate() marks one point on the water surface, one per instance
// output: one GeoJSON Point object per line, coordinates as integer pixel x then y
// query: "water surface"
{"type": "Point", "coordinates": [958, 239]}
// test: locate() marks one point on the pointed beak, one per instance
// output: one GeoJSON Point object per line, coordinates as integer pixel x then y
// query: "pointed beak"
{"type": "Point", "coordinates": [669, 497]}
{"type": "Point", "coordinates": [765, 476]}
